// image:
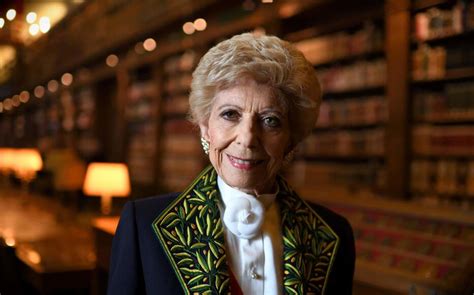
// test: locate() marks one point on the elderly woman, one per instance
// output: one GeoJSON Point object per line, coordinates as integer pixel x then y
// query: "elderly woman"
{"type": "Point", "coordinates": [239, 228]}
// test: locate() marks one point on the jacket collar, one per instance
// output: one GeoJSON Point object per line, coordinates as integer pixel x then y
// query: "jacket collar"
{"type": "Point", "coordinates": [191, 233]}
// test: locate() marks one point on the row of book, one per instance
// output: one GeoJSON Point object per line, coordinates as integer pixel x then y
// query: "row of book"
{"type": "Point", "coordinates": [428, 62]}
{"type": "Point", "coordinates": [175, 105]}
{"type": "Point", "coordinates": [453, 103]}
{"type": "Point", "coordinates": [356, 76]}
{"type": "Point", "coordinates": [141, 121]}
{"type": "Point", "coordinates": [437, 23]}
{"type": "Point", "coordinates": [141, 101]}
{"type": "Point", "coordinates": [182, 156]}
{"type": "Point", "coordinates": [331, 175]}
{"type": "Point", "coordinates": [343, 44]}
{"type": "Point", "coordinates": [431, 249]}
{"type": "Point", "coordinates": [178, 84]}
{"type": "Point", "coordinates": [183, 160]}
{"type": "Point", "coordinates": [443, 140]}
{"type": "Point", "coordinates": [460, 55]}
{"type": "Point", "coordinates": [358, 111]}
{"type": "Point", "coordinates": [434, 62]}
{"type": "Point", "coordinates": [354, 143]}
{"type": "Point", "coordinates": [448, 177]}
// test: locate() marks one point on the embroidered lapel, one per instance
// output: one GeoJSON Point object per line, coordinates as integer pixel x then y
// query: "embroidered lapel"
{"type": "Point", "coordinates": [309, 245]}
{"type": "Point", "coordinates": [191, 233]}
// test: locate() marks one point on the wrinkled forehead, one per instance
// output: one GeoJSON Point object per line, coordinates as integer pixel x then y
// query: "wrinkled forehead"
{"type": "Point", "coordinates": [248, 94]}
{"type": "Point", "coordinates": [246, 90]}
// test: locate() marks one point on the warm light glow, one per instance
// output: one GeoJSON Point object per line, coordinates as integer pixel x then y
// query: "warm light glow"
{"type": "Point", "coordinates": [8, 236]}
{"type": "Point", "coordinates": [1, 107]}
{"type": "Point", "coordinates": [8, 104]}
{"type": "Point", "coordinates": [39, 91]}
{"type": "Point", "coordinates": [24, 96]}
{"type": "Point", "coordinates": [267, 1]}
{"type": "Point", "coordinates": [10, 242]}
{"type": "Point", "coordinates": [31, 17]}
{"type": "Point", "coordinates": [34, 257]}
{"type": "Point", "coordinates": [112, 60]}
{"type": "Point", "coordinates": [2, 22]}
{"type": "Point", "coordinates": [7, 159]}
{"type": "Point", "coordinates": [16, 100]}
{"type": "Point", "coordinates": [34, 29]}
{"type": "Point", "coordinates": [27, 163]}
{"type": "Point", "coordinates": [107, 180]}
{"type": "Point", "coordinates": [200, 24]}
{"type": "Point", "coordinates": [188, 28]}
{"type": "Point", "coordinates": [289, 9]}
{"type": "Point", "coordinates": [53, 86]}
{"type": "Point", "coordinates": [67, 79]}
{"type": "Point", "coordinates": [149, 44]}
{"type": "Point", "coordinates": [11, 14]}
{"type": "Point", "coordinates": [44, 24]}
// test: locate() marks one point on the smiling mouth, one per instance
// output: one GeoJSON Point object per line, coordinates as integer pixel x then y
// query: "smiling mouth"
{"type": "Point", "coordinates": [242, 163]}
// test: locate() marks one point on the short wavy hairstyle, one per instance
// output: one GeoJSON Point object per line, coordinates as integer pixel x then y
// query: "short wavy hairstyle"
{"type": "Point", "coordinates": [267, 60]}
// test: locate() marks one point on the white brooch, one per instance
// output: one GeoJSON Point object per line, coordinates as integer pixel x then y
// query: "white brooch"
{"type": "Point", "coordinates": [244, 216]}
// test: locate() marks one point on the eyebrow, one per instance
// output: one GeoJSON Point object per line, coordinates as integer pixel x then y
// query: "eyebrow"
{"type": "Point", "coordinates": [265, 110]}
{"type": "Point", "coordinates": [228, 105]}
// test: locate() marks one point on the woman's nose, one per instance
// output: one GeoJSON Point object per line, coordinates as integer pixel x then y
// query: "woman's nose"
{"type": "Point", "coordinates": [247, 133]}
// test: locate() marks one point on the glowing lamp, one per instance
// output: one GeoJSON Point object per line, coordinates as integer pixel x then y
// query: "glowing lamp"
{"type": "Point", "coordinates": [27, 163]}
{"type": "Point", "coordinates": [7, 160]}
{"type": "Point", "coordinates": [107, 180]}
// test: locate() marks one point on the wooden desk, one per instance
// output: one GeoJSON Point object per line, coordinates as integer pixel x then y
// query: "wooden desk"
{"type": "Point", "coordinates": [58, 263]}
{"type": "Point", "coordinates": [49, 249]}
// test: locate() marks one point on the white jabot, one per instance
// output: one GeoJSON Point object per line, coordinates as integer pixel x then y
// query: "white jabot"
{"type": "Point", "coordinates": [253, 239]}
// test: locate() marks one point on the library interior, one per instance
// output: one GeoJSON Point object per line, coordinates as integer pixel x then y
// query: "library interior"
{"type": "Point", "coordinates": [94, 114]}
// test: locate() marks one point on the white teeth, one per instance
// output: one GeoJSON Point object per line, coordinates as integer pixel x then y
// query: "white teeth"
{"type": "Point", "coordinates": [240, 161]}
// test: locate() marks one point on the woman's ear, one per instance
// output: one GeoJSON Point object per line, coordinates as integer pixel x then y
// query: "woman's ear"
{"type": "Point", "coordinates": [204, 127]}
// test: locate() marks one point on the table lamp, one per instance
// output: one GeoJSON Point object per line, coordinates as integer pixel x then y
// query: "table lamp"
{"type": "Point", "coordinates": [27, 162]}
{"type": "Point", "coordinates": [7, 159]}
{"type": "Point", "coordinates": [107, 180]}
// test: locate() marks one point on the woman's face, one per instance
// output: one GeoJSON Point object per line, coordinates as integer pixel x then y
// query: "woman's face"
{"type": "Point", "coordinates": [248, 133]}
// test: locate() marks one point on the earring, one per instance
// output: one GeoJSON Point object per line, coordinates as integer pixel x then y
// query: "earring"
{"type": "Point", "coordinates": [205, 145]}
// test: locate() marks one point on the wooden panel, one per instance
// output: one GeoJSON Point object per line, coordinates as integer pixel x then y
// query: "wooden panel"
{"type": "Point", "coordinates": [397, 45]}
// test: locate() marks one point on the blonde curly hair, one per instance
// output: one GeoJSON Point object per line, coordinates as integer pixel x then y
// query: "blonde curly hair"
{"type": "Point", "coordinates": [267, 60]}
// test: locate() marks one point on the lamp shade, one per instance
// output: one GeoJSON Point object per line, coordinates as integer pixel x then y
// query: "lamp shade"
{"type": "Point", "coordinates": [107, 179]}
{"type": "Point", "coordinates": [7, 159]}
{"type": "Point", "coordinates": [27, 163]}
{"type": "Point", "coordinates": [28, 159]}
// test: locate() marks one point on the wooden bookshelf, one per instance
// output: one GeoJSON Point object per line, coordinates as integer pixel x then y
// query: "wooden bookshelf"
{"type": "Point", "coordinates": [450, 75]}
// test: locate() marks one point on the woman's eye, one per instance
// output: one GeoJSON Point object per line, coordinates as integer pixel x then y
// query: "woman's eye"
{"type": "Point", "coordinates": [271, 122]}
{"type": "Point", "coordinates": [230, 115]}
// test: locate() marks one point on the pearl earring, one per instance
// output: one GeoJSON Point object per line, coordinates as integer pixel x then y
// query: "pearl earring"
{"type": "Point", "coordinates": [205, 145]}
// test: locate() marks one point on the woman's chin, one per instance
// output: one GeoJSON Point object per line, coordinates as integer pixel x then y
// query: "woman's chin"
{"type": "Point", "coordinates": [248, 182]}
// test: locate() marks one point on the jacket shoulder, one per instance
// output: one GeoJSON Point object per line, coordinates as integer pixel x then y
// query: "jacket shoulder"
{"type": "Point", "coordinates": [331, 217]}
{"type": "Point", "coordinates": [148, 208]}
{"type": "Point", "coordinates": [340, 280]}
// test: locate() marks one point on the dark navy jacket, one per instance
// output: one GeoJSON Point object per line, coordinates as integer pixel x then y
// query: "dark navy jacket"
{"type": "Point", "coordinates": [139, 264]}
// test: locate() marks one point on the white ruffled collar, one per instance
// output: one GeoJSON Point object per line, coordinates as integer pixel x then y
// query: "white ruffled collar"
{"type": "Point", "coordinates": [244, 213]}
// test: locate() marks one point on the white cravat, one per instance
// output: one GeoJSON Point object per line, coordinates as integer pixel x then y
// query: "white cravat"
{"type": "Point", "coordinates": [253, 239]}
